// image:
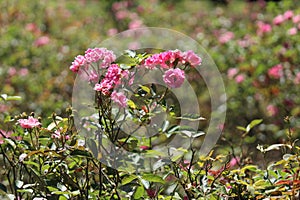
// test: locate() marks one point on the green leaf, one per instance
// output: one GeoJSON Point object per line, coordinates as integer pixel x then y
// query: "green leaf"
{"type": "Point", "coordinates": [145, 88]}
{"type": "Point", "coordinates": [13, 98]}
{"type": "Point", "coordinates": [139, 192]}
{"type": "Point", "coordinates": [131, 104]}
{"type": "Point", "coordinates": [191, 117]}
{"type": "Point", "coordinates": [26, 191]}
{"type": "Point", "coordinates": [78, 152]}
{"type": "Point", "coordinates": [241, 128]}
{"type": "Point", "coordinates": [153, 178]}
{"type": "Point", "coordinates": [128, 179]}
{"type": "Point", "coordinates": [52, 189]}
{"type": "Point", "coordinates": [62, 198]}
{"type": "Point", "coordinates": [5, 97]}
{"type": "Point", "coordinates": [252, 124]}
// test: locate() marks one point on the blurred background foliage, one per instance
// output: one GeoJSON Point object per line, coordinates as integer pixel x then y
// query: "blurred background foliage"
{"type": "Point", "coordinates": [40, 39]}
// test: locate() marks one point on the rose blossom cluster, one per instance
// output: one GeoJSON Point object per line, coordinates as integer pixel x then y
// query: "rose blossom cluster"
{"type": "Point", "coordinates": [173, 77]}
{"type": "Point", "coordinates": [168, 60]}
{"type": "Point", "coordinates": [112, 78]}
{"type": "Point", "coordinates": [93, 56]}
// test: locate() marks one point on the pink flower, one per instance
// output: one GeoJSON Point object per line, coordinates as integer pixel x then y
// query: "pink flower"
{"type": "Point", "coordinates": [119, 98]}
{"type": "Point", "coordinates": [23, 72]}
{"type": "Point", "coordinates": [41, 41]}
{"type": "Point", "coordinates": [168, 59]}
{"type": "Point", "coordinates": [77, 63]}
{"type": "Point", "coordinates": [96, 54]}
{"type": "Point", "coordinates": [233, 162]}
{"type": "Point", "coordinates": [32, 27]}
{"type": "Point", "coordinates": [288, 14]}
{"type": "Point", "coordinates": [278, 19]}
{"type": "Point", "coordinates": [296, 19]}
{"type": "Point", "coordinates": [112, 31]}
{"type": "Point", "coordinates": [263, 28]}
{"type": "Point", "coordinates": [6, 134]}
{"type": "Point", "coordinates": [12, 71]}
{"type": "Point", "coordinates": [135, 24]}
{"type": "Point", "coordinates": [192, 58]}
{"type": "Point", "coordinates": [272, 110]}
{"type": "Point", "coordinates": [240, 78]}
{"type": "Point", "coordinates": [143, 147]}
{"type": "Point", "coordinates": [292, 31]}
{"type": "Point", "coordinates": [122, 14]}
{"type": "Point", "coordinates": [93, 76]}
{"type": "Point", "coordinates": [29, 123]}
{"type": "Point", "coordinates": [226, 37]}
{"type": "Point", "coordinates": [231, 72]}
{"type": "Point", "coordinates": [113, 74]}
{"type": "Point", "coordinates": [105, 86]}
{"type": "Point", "coordinates": [174, 78]}
{"type": "Point", "coordinates": [297, 78]}
{"type": "Point", "coordinates": [276, 72]}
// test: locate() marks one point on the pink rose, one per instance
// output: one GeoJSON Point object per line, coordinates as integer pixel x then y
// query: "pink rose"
{"type": "Point", "coordinates": [288, 14]}
{"type": "Point", "coordinates": [278, 19]}
{"type": "Point", "coordinates": [77, 63]}
{"type": "Point", "coordinates": [240, 78]}
{"type": "Point", "coordinates": [5, 134]}
{"type": "Point", "coordinates": [119, 98]}
{"type": "Point", "coordinates": [174, 78]}
{"type": "Point", "coordinates": [263, 28]}
{"type": "Point", "coordinates": [29, 123]}
{"type": "Point", "coordinates": [226, 37]}
{"type": "Point", "coordinates": [272, 110]}
{"type": "Point", "coordinates": [297, 78]}
{"type": "Point", "coordinates": [276, 72]}
{"type": "Point", "coordinates": [192, 58]}
{"type": "Point", "coordinates": [41, 41]}
{"type": "Point", "coordinates": [296, 19]}
{"type": "Point", "coordinates": [292, 31]}
{"type": "Point", "coordinates": [232, 72]}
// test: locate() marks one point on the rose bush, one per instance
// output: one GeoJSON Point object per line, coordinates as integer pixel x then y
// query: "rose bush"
{"type": "Point", "coordinates": [254, 44]}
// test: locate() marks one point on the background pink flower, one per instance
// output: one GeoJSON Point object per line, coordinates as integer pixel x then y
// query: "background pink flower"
{"type": "Point", "coordinates": [226, 37]}
{"type": "Point", "coordinates": [276, 71]}
{"type": "Point", "coordinates": [119, 98]}
{"type": "Point", "coordinates": [174, 77]}
{"type": "Point", "coordinates": [297, 78]}
{"type": "Point", "coordinates": [240, 78]}
{"type": "Point", "coordinates": [278, 19]}
{"type": "Point", "coordinates": [231, 72]}
{"type": "Point", "coordinates": [192, 58]}
{"type": "Point", "coordinates": [272, 110]}
{"type": "Point", "coordinates": [41, 41]}
{"type": "Point", "coordinates": [292, 31]}
{"type": "Point", "coordinates": [288, 14]}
